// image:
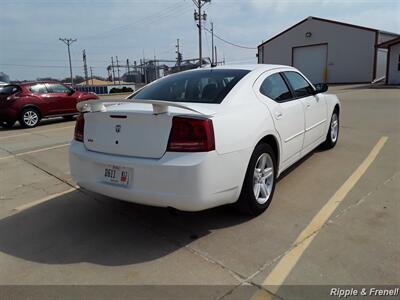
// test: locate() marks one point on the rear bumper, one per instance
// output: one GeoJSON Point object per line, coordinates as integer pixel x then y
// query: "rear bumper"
{"type": "Point", "coordinates": [186, 181]}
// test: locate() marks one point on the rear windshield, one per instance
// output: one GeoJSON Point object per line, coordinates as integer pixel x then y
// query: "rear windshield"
{"type": "Point", "coordinates": [201, 86]}
{"type": "Point", "coordinates": [9, 89]}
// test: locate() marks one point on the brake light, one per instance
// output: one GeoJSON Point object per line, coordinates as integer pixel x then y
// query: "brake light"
{"type": "Point", "coordinates": [79, 128]}
{"type": "Point", "coordinates": [191, 135]}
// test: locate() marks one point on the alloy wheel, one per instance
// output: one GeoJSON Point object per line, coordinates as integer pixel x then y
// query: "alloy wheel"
{"type": "Point", "coordinates": [30, 118]}
{"type": "Point", "coordinates": [334, 127]}
{"type": "Point", "coordinates": [263, 178]}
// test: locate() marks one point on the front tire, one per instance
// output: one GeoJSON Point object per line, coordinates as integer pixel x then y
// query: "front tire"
{"type": "Point", "coordinates": [333, 132]}
{"type": "Point", "coordinates": [259, 183]}
{"type": "Point", "coordinates": [29, 118]}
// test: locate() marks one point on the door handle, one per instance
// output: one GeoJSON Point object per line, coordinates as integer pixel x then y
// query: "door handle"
{"type": "Point", "coordinates": [278, 115]}
{"type": "Point", "coordinates": [308, 105]}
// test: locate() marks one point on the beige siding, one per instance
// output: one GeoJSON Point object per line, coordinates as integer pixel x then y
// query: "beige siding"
{"type": "Point", "coordinates": [351, 51]}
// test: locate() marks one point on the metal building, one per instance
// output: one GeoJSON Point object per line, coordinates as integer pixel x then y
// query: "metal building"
{"type": "Point", "coordinates": [393, 60]}
{"type": "Point", "coordinates": [329, 51]}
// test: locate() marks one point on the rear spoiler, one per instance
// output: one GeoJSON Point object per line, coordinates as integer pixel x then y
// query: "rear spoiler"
{"type": "Point", "coordinates": [159, 107]}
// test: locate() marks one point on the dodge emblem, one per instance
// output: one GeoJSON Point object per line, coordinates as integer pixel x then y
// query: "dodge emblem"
{"type": "Point", "coordinates": [117, 128]}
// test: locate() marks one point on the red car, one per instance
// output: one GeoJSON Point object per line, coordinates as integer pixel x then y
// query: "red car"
{"type": "Point", "coordinates": [30, 102]}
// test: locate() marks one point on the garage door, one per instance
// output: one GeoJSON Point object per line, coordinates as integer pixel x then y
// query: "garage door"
{"type": "Point", "coordinates": [311, 61]}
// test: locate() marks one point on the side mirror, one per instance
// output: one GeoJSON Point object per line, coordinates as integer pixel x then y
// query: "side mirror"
{"type": "Point", "coordinates": [71, 92]}
{"type": "Point", "coordinates": [320, 88]}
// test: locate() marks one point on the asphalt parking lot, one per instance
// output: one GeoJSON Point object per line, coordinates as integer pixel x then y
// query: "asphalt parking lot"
{"type": "Point", "coordinates": [52, 233]}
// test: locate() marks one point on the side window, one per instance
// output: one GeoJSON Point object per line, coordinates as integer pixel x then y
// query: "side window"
{"type": "Point", "coordinates": [275, 88]}
{"type": "Point", "coordinates": [57, 88]}
{"type": "Point", "coordinates": [301, 87]}
{"type": "Point", "coordinates": [38, 89]}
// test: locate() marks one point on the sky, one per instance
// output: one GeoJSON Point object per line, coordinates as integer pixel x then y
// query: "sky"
{"type": "Point", "coordinates": [30, 29]}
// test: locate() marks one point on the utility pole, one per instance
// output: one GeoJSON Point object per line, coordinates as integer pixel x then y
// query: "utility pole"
{"type": "Point", "coordinates": [127, 64]}
{"type": "Point", "coordinates": [145, 70]}
{"type": "Point", "coordinates": [178, 55]}
{"type": "Point", "coordinates": [119, 80]}
{"type": "Point", "coordinates": [212, 44]}
{"type": "Point", "coordinates": [112, 68]}
{"type": "Point", "coordinates": [68, 42]}
{"type": "Point", "coordinates": [91, 74]}
{"type": "Point", "coordinates": [155, 64]}
{"type": "Point", "coordinates": [85, 66]}
{"type": "Point", "coordinates": [216, 56]}
{"type": "Point", "coordinates": [198, 16]}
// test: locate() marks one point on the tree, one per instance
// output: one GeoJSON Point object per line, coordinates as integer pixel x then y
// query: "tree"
{"type": "Point", "coordinates": [77, 79]}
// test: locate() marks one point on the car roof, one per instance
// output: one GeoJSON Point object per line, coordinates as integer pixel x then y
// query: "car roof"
{"type": "Point", "coordinates": [37, 82]}
{"type": "Point", "coordinates": [252, 67]}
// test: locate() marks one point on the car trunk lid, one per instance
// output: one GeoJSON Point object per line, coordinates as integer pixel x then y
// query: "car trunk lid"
{"type": "Point", "coordinates": [132, 129]}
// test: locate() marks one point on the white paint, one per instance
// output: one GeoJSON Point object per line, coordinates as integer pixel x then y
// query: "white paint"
{"type": "Point", "coordinates": [34, 151]}
{"type": "Point", "coordinates": [196, 181]}
{"type": "Point", "coordinates": [42, 200]}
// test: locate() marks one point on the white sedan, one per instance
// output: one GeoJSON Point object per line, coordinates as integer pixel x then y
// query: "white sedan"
{"type": "Point", "coordinates": [203, 138]}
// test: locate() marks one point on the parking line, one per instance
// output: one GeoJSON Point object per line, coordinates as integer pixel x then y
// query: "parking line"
{"type": "Point", "coordinates": [278, 275]}
{"type": "Point", "coordinates": [34, 132]}
{"type": "Point", "coordinates": [34, 151]}
{"type": "Point", "coordinates": [47, 198]}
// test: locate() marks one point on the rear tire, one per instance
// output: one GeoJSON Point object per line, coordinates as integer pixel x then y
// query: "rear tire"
{"type": "Point", "coordinates": [29, 117]}
{"type": "Point", "coordinates": [259, 183]}
{"type": "Point", "coordinates": [8, 124]}
{"type": "Point", "coordinates": [333, 133]}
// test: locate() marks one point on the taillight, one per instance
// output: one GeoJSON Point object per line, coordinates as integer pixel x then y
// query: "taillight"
{"type": "Point", "coordinates": [79, 128]}
{"type": "Point", "coordinates": [191, 135]}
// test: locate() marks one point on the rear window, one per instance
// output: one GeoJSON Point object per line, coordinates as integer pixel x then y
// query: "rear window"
{"type": "Point", "coordinates": [9, 89]}
{"type": "Point", "coordinates": [201, 86]}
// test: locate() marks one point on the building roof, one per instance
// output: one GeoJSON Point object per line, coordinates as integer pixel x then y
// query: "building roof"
{"type": "Point", "coordinates": [389, 43]}
{"type": "Point", "coordinates": [328, 21]}
{"type": "Point", "coordinates": [98, 82]}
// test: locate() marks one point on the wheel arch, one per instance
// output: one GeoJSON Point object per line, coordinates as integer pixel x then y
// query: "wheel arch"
{"type": "Point", "coordinates": [37, 108]}
{"type": "Point", "coordinates": [272, 140]}
{"type": "Point", "coordinates": [337, 108]}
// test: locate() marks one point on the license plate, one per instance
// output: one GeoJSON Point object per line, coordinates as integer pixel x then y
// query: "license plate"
{"type": "Point", "coordinates": [117, 175]}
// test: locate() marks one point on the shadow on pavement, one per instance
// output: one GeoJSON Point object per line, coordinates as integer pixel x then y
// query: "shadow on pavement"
{"type": "Point", "coordinates": [77, 228]}
{"type": "Point", "coordinates": [43, 124]}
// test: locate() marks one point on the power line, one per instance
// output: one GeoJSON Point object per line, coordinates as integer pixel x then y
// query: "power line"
{"type": "Point", "coordinates": [228, 42]}
{"type": "Point", "coordinates": [166, 12]}
{"type": "Point", "coordinates": [43, 66]}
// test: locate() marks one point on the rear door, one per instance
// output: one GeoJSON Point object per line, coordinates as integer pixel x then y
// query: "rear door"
{"type": "Point", "coordinates": [40, 98]}
{"type": "Point", "coordinates": [287, 113]}
{"type": "Point", "coordinates": [60, 98]}
{"type": "Point", "coordinates": [314, 105]}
